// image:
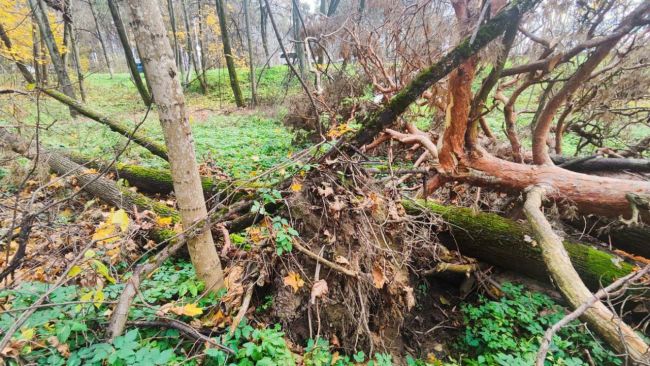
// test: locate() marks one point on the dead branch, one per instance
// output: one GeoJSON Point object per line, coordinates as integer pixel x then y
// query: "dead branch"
{"type": "Point", "coordinates": [183, 327]}
{"type": "Point", "coordinates": [550, 332]}
{"type": "Point", "coordinates": [600, 318]}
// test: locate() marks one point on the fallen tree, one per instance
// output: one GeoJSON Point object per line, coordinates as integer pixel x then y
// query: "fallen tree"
{"type": "Point", "coordinates": [148, 143]}
{"type": "Point", "coordinates": [508, 244]}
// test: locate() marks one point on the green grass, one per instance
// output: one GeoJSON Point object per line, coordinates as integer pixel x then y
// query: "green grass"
{"type": "Point", "coordinates": [242, 143]}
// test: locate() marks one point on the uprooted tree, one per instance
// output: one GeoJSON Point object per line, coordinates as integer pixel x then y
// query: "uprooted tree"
{"type": "Point", "coordinates": [346, 210]}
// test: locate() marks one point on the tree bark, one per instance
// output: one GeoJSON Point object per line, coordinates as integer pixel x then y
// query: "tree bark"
{"type": "Point", "coordinates": [158, 61]}
{"type": "Point", "coordinates": [100, 36]}
{"type": "Point", "coordinates": [251, 63]}
{"type": "Point", "coordinates": [558, 263]}
{"type": "Point", "coordinates": [40, 15]}
{"type": "Point", "coordinates": [227, 51]}
{"type": "Point", "coordinates": [128, 53]}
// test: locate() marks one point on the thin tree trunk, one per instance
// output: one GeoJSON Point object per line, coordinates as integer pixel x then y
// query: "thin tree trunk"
{"type": "Point", "coordinates": [192, 50]}
{"type": "Point", "coordinates": [251, 63]}
{"type": "Point", "coordinates": [168, 95]}
{"type": "Point", "coordinates": [298, 44]}
{"type": "Point", "coordinates": [72, 34]}
{"type": "Point", "coordinates": [128, 53]}
{"type": "Point", "coordinates": [38, 9]}
{"type": "Point", "coordinates": [204, 51]}
{"type": "Point", "coordinates": [177, 53]}
{"type": "Point", "coordinates": [37, 56]}
{"type": "Point", "coordinates": [101, 38]}
{"type": "Point", "coordinates": [230, 62]}
{"type": "Point", "coordinates": [264, 15]}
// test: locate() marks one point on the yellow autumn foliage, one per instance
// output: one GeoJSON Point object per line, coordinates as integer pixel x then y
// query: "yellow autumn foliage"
{"type": "Point", "coordinates": [17, 22]}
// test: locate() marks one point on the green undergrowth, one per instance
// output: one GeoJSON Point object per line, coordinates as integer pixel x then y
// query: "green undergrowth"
{"type": "Point", "coordinates": [70, 330]}
{"type": "Point", "coordinates": [508, 332]}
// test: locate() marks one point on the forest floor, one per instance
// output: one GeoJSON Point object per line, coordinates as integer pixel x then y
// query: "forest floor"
{"type": "Point", "coordinates": [446, 325]}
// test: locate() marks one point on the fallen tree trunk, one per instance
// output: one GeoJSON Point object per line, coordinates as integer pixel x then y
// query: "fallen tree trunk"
{"type": "Point", "coordinates": [590, 194]}
{"type": "Point", "coordinates": [505, 243]}
{"type": "Point", "coordinates": [93, 183]}
{"type": "Point", "coordinates": [633, 239]}
{"type": "Point", "coordinates": [600, 318]}
{"type": "Point", "coordinates": [596, 164]}
{"type": "Point", "coordinates": [150, 144]}
{"type": "Point", "coordinates": [149, 180]}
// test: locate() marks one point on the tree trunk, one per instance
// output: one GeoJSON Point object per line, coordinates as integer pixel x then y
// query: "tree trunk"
{"type": "Point", "coordinates": [263, 22]}
{"type": "Point", "coordinates": [172, 20]}
{"type": "Point", "coordinates": [128, 54]}
{"type": "Point", "coordinates": [251, 63]}
{"type": "Point", "coordinates": [599, 317]}
{"type": "Point", "coordinates": [192, 50]}
{"type": "Point", "coordinates": [298, 45]}
{"type": "Point", "coordinates": [502, 242]}
{"type": "Point", "coordinates": [100, 36]}
{"type": "Point", "coordinates": [168, 95]}
{"type": "Point", "coordinates": [72, 34]}
{"type": "Point", "coordinates": [588, 193]}
{"type": "Point", "coordinates": [204, 51]}
{"type": "Point", "coordinates": [40, 15]}
{"type": "Point", "coordinates": [227, 51]}
{"type": "Point", "coordinates": [148, 143]}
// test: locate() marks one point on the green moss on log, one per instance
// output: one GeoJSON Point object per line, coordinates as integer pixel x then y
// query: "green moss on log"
{"type": "Point", "coordinates": [506, 243]}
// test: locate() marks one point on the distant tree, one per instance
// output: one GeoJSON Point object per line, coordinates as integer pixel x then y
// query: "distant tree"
{"type": "Point", "coordinates": [227, 50]}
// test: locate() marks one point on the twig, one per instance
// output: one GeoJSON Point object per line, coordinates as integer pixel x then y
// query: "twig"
{"type": "Point", "coordinates": [550, 332]}
{"type": "Point", "coordinates": [243, 309]}
{"type": "Point", "coordinates": [184, 328]}
{"type": "Point", "coordinates": [324, 261]}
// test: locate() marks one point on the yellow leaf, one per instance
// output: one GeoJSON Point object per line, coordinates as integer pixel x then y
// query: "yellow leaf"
{"type": "Point", "coordinates": [187, 310]}
{"type": "Point", "coordinates": [164, 221]}
{"type": "Point", "coordinates": [294, 280]}
{"type": "Point", "coordinates": [98, 298]}
{"type": "Point", "coordinates": [27, 334]}
{"type": "Point", "coordinates": [296, 187]}
{"type": "Point", "coordinates": [90, 171]}
{"type": "Point", "coordinates": [30, 86]}
{"type": "Point", "coordinates": [89, 253]}
{"type": "Point", "coordinates": [87, 296]}
{"type": "Point", "coordinates": [121, 219]}
{"type": "Point", "coordinates": [75, 270]}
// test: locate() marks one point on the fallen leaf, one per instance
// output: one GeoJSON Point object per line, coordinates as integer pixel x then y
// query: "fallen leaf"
{"type": "Point", "coordinates": [294, 280]}
{"type": "Point", "coordinates": [341, 260]}
{"type": "Point", "coordinates": [296, 187]}
{"type": "Point", "coordinates": [187, 310]}
{"type": "Point", "coordinates": [319, 289]}
{"type": "Point", "coordinates": [325, 192]}
{"type": "Point", "coordinates": [164, 221]}
{"type": "Point", "coordinates": [378, 278]}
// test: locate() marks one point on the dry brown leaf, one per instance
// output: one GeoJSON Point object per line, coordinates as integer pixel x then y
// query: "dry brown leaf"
{"type": "Point", "coordinates": [319, 289]}
{"type": "Point", "coordinates": [410, 298]}
{"type": "Point", "coordinates": [325, 192]}
{"type": "Point", "coordinates": [341, 260]}
{"type": "Point", "coordinates": [378, 278]}
{"type": "Point", "coordinates": [294, 280]}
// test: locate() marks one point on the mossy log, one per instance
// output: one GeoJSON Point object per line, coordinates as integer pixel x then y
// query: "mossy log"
{"type": "Point", "coordinates": [148, 143]}
{"type": "Point", "coordinates": [509, 244]}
